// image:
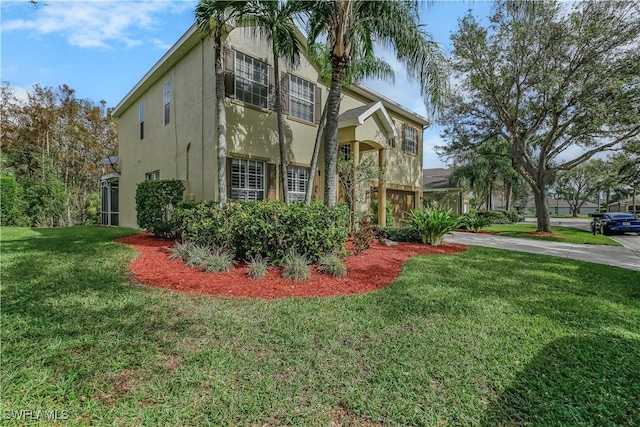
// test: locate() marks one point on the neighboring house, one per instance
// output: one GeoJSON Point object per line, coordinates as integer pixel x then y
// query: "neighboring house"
{"type": "Point", "coordinates": [560, 207]}
{"type": "Point", "coordinates": [625, 205]}
{"type": "Point", "coordinates": [167, 128]}
{"type": "Point", "coordinates": [438, 188]}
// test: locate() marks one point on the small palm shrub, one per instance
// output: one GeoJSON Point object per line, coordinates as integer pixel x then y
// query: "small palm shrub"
{"type": "Point", "coordinates": [180, 250]}
{"type": "Point", "coordinates": [332, 265]}
{"type": "Point", "coordinates": [433, 224]}
{"type": "Point", "coordinates": [218, 260]}
{"type": "Point", "coordinates": [257, 267]}
{"type": "Point", "coordinates": [295, 266]}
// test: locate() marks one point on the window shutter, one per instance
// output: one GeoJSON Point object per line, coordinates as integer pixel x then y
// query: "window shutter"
{"type": "Point", "coordinates": [271, 181]}
{"type": "Point", "coordinates": [229, 72]}
{"type": "Point", "coordinates": [229, 166]}
{"type": "Point", "coordinates": [418, 141]}
{"type": "Point", "coordinates": [318, 106]}
{"type": "Point", "coordinates": [284, 91]}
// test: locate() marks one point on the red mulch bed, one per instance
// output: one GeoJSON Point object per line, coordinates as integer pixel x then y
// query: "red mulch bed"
{"type": "Point", "coordinates": [372, 269]}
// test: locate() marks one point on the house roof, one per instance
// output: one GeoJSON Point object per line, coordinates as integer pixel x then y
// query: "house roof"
{"type": "Point", "coordinates": [193, 36]}
{"type": "Point", "coordinates": [561, 203]}
{"type": "Point", "coordinates": [628, 200]}
{"type": "Point", "coordinates": [437, 179]}
{"type": "Point", "coordinates": [357, 116]}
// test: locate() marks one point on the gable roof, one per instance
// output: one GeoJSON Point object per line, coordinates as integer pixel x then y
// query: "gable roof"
{"type": "Point", "coordinates": [357, 116]}
{"type": "Point", "coordinates": [193, 36]}
{"type": "Point", "coordinates": [437, 179]}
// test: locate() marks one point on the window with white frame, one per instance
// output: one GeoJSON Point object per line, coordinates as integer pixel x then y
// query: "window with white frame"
{"type": "Point", "coordinates": [252, 80]}
{"type": "Point", "coordinates": [141, 111]}
{"type": "Point", "coordinates": [167, 102]}
{"type": "Point", "coordinates": [410, 140]}
{"type": "Point", "coordinates": [247, 179]}
{"type": "Point", "coordinates": [152, 176]}
{"type": "Point", "coordinates": [297, 182]}
{"type": "Point", "coordinates": [302, 99]}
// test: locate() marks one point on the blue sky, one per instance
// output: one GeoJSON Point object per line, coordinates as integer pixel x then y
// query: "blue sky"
{"type": "Point", "coordinates": [102, 48]}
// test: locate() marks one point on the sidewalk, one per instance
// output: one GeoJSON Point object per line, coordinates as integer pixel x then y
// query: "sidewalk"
{"type": "Point", "coordinates": [616, 256]}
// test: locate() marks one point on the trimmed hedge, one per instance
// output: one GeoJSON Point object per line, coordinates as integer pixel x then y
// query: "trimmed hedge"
{"type": "Point", "coordinates": [268, 228]}
{"type": "Point", "coordinates": [499, 217]}
{"type": "Point", "coordinates": [400, 234]}
{"type": "Point", "coordinates": [156, 202]}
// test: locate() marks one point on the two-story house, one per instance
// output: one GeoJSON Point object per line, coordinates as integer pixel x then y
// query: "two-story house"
{"type": "Point", "coordinates": [167, 129]}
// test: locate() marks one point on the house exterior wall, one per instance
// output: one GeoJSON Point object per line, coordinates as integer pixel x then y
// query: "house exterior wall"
{"type": "Point", "coordinates": [185, 148]}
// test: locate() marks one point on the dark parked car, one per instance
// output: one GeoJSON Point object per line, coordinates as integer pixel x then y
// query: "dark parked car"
{"type": "Point", "coordinates": [615, 222]}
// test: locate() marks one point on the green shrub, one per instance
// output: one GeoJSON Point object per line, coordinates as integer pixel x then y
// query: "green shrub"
{"type": "Point", "coordinates": [11, 203]}
{"type": "Point", "coordinates": [218, 260]}
{"type": "Point", "coordinates": [473, 222]}
{"type": "Point", "coordinates": [156, 202]}
{"type": "Point", "coordinates": [332, 265]}
{"type": "Point", "coordinates": [257, 267]}
{"type": "Point", "coordinates": [400, 234]}
{"type": "Point", "coordinates": [433, 224]}
{"type": "Point", "coordinates": [266, 228]}
{"type": "Point", "coordinates": [295, 266]}
{"type": "Point", "coordinates": [374, 213]}
{"type": "Point", "coordinates": [499, 217]}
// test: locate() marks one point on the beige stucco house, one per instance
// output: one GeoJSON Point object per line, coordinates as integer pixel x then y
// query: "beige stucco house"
{"type": "Point", "coordinates": [167, 129]}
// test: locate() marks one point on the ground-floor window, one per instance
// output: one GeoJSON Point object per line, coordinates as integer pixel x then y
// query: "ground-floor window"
{"type": "Point", "coordinates": [247, 179]}
{"type": "Point", "coordinates": [297, 182]}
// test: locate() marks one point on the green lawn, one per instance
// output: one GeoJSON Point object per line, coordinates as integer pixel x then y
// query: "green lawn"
{"type": "Point", "coordinates": [481, 338]}
{"type": "Point", "coordinates": [563, 234]}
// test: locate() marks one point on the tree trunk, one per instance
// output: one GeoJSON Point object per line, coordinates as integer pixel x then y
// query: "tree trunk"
{"type": "Point", "coordinates": [281, 141]}
{"type": "Point", "coordinates": [508, 195]}
{"type": "Point", "coordinates": [314, 157]}
{"type": "Point", "coordinates": [542, 209]}
{"type": "Point", "coordinates": [222, 123]}
{"type": "Point", "coordinates": [331, 132]}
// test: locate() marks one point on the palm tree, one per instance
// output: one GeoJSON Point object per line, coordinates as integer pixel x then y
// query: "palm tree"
{"type": "Point", "coordinates": [371, 67]}
{"type": "Point", "coordinates": [212, 17]}
{"type": "Point", "coordinates": [274, 21]}
{"type": "Point", "coordinates": [351, 28]}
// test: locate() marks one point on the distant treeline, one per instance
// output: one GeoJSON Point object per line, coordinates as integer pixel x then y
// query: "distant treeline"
{"type": "Point", "coordinates": [52, 144]}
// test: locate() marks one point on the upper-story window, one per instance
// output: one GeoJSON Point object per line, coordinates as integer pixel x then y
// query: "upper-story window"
{"type": "Point", "coordinates": [167, 102]}
{"type": "Point", "coordinates": [297, 182]}
{"type": "Point", "coordinates": [252, 80]}
{"type": "Point", "coordinates": [410, 140]}
{"type": "Point", "coordinates": [302, 95]}
{"type": "Point", "coordinates": [141, 112]}
{"type": "Point", "coordinates": [152, 176]}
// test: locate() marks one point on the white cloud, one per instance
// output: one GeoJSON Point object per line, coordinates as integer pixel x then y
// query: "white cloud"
{"type": "Point", "coordinates": [98, 24]}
